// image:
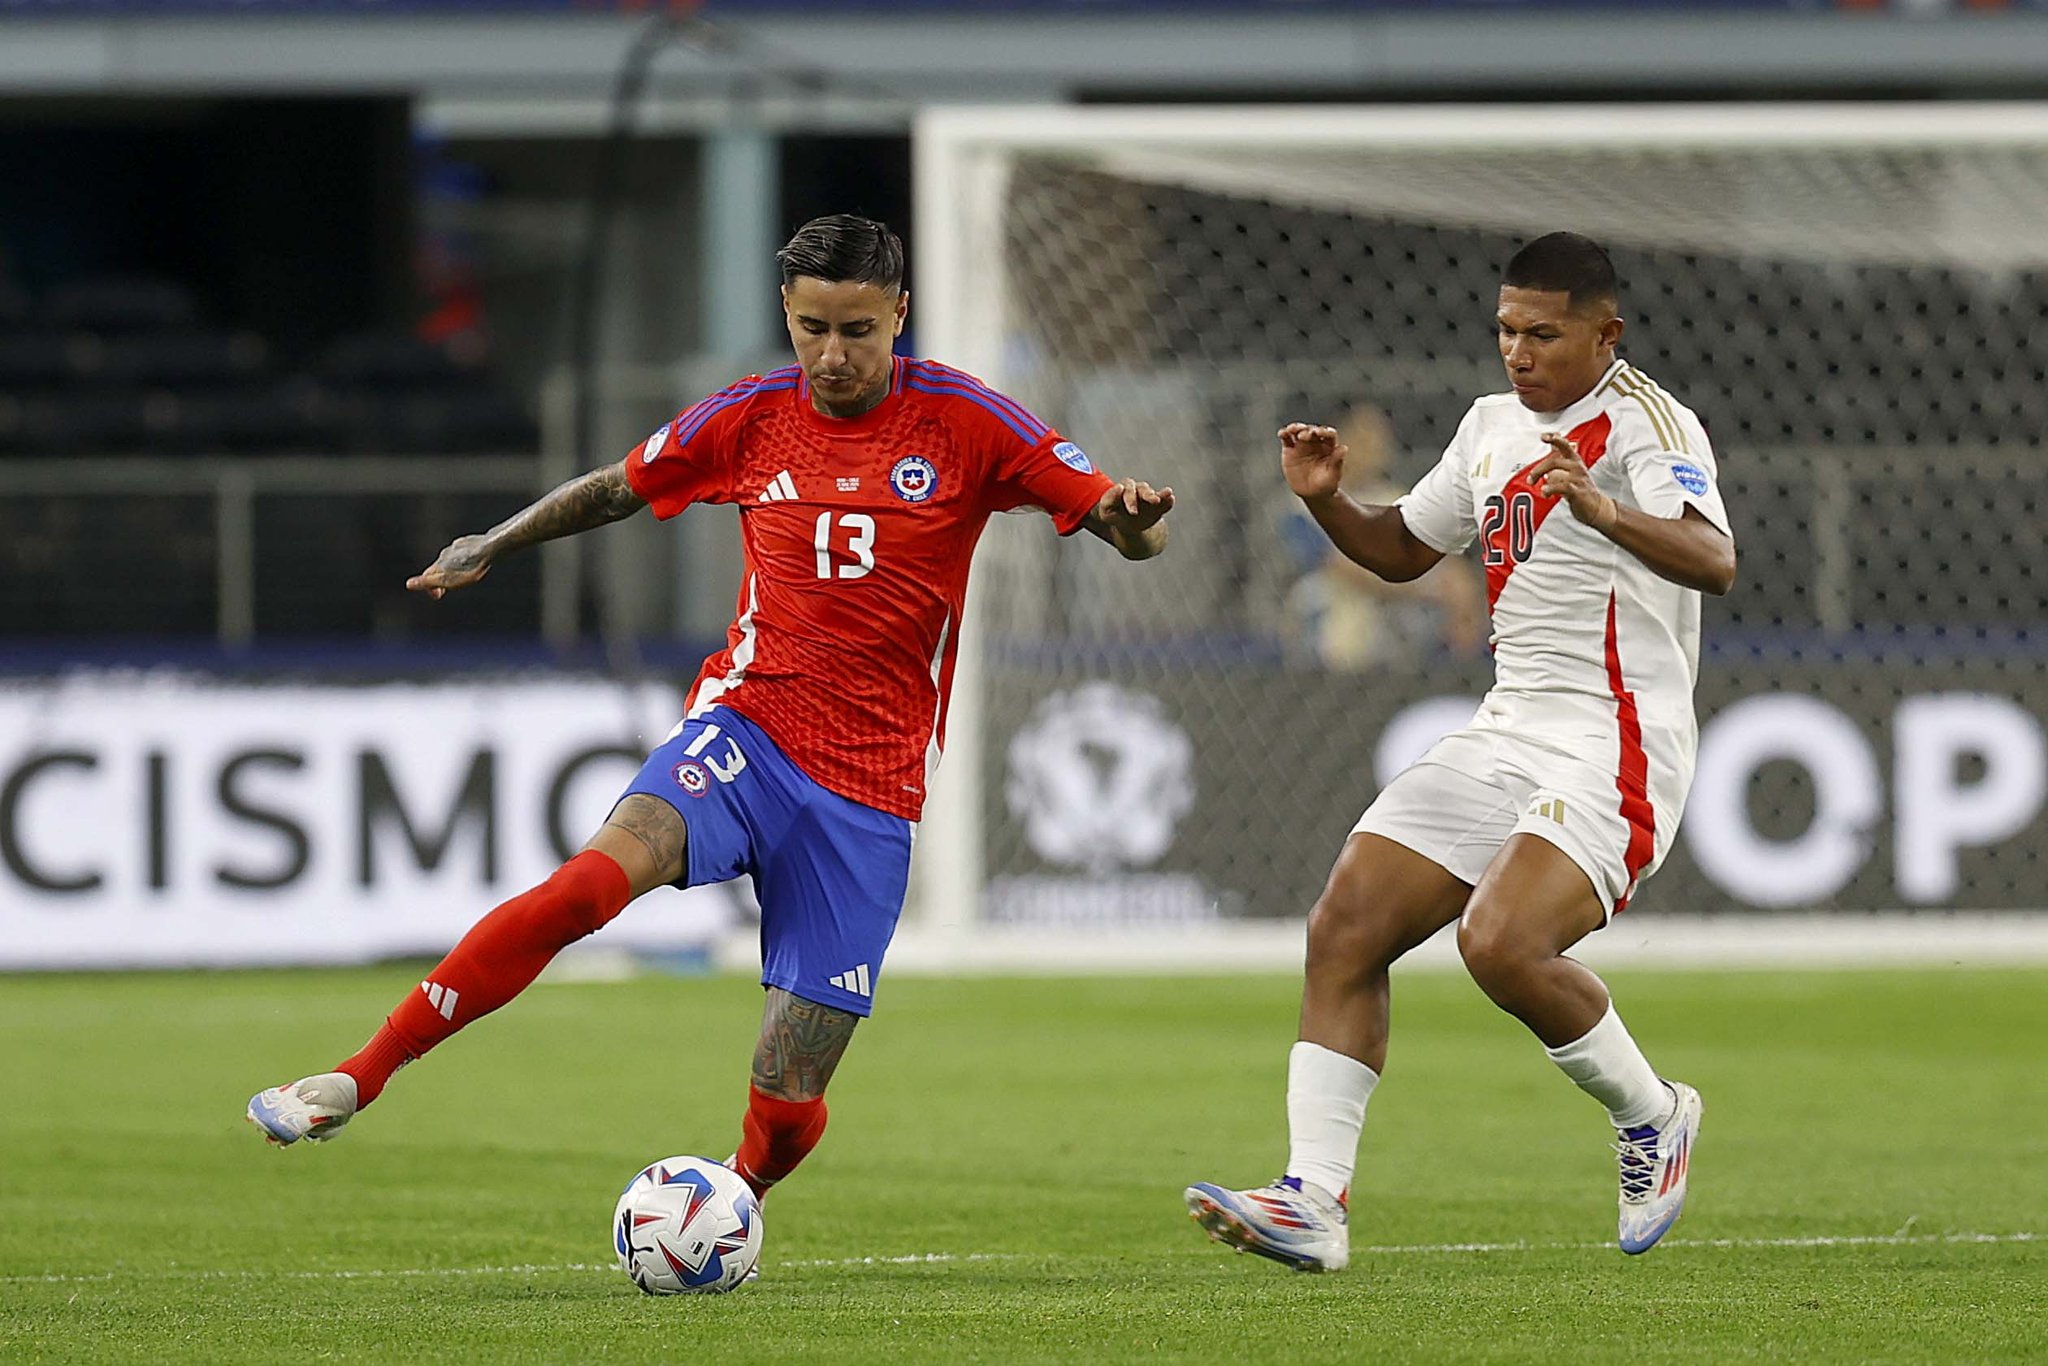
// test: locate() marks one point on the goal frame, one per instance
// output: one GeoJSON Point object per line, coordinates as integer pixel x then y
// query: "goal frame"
{"type": "Point", "coordinates": [960, 156]}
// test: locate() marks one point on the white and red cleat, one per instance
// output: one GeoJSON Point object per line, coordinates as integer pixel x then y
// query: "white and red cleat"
{"type": "Point", "coordinates": [312, 1108]}
{"type": "Point", "coordinates": [1291, 1222]}
{"type": "Point", "coordinates": [1654, 1163]}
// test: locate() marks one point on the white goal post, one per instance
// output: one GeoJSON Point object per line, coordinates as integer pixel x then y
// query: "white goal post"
{"type": "Point", "coordinates": [1849, 295]}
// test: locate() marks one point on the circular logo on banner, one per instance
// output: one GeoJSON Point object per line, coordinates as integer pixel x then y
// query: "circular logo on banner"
{"type": "Point", "coordinates": [1100, 776]}
{"type": "Point", "coordinates": [914, 478]}
{"type": "Point", "coordinates": [691, 778]}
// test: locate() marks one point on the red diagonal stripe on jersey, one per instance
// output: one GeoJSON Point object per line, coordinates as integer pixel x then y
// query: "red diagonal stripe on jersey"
{"type": "Point", "coordinates": [1632, 774]}
{"type": "Point", "coordinates": [1591, 440]}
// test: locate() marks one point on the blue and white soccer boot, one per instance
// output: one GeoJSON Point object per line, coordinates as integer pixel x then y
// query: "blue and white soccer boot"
{"type": "Point", "coordinates": [1291, 1221]}
{"type": "Point", "coordinates": [1654, 1160]}
{"type": "Point", "coordinates": [312, 1108]}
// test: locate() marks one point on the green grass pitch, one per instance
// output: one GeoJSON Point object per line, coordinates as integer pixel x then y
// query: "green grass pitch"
{"type": "Point", "coordinates": [1010, 1154]}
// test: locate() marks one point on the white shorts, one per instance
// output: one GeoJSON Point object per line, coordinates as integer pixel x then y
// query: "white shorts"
{"type": "Point", "coordinates": [1459, 803]}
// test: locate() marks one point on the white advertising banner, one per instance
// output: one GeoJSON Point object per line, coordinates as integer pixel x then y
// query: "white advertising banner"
{"type": "Point", "coordinates": [160, 820]}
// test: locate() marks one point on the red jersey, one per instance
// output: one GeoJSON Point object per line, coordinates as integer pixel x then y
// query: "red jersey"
{"type": "Point", "coordinates": [858, 532]}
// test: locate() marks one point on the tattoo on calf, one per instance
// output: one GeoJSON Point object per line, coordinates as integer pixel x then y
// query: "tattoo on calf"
{"type": "Point", "coordinates": [801, 1044]}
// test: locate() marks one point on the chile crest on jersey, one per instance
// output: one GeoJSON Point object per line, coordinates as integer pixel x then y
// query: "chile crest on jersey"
{"type": "Point", "coordinates": [914, 479]}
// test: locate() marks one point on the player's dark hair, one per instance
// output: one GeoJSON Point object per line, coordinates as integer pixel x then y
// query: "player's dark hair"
{"type": "Point", "coordinates": [1564, 263]}
{"type": "Point", "coordinates": [844, 246]}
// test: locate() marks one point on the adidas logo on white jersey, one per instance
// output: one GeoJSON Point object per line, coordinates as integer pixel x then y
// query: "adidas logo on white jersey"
{"type": "Point", "coordinates": [779, 488]}
{"type": "Point", "coordinates": [854, 980]}
{"type": "Point", "coordinates": [443, 998]}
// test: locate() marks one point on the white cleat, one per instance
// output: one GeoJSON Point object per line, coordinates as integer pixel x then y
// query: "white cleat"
{"type": "Point", "coordinates": [1290, 1222]}
{"type": "Point", "coordinates": [1654, 1161]}
{"type": "Point", "coordinates": [312, 1108]}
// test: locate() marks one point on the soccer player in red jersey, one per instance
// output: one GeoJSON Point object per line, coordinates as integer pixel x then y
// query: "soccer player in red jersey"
{"type": "Point", "coordinates": [864, 481]}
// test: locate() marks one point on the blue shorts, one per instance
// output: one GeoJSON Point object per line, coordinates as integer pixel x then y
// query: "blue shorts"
{"type": "Point", "coordinates": [830, 872]}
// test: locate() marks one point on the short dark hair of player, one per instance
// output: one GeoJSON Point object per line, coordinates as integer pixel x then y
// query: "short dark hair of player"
{"type": "Point", "coordinates": [1565, 263]}
{"type": "Point", "coordinates": [844, 246]}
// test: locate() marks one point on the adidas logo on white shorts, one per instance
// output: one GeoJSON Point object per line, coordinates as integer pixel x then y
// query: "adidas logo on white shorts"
{"type": "Point", "coordinates": [854, 980]}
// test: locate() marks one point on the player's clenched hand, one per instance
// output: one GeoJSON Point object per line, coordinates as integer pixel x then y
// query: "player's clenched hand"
{"type": "Point", "coordinates": [1133, 505]}
{"type": "Point", "coordinates": [1312, 459]}
{"type": "Point", "coordinates": [466, 560]}
{"type": "Point", "coordinates": [1562, 474]}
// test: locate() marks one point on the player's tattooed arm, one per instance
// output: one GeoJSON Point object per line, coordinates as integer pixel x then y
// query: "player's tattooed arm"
{"type": "Point", "coordinates": [800, 1047]}
{"type": "Point", "coordinates": [589, 500]}
{"type": "Point", "coordinates": [1132, 517]}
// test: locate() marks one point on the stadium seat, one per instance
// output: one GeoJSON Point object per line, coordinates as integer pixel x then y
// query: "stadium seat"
{"type": "Point", "coordinates": [387, 358]}
{"type": "Point", "coordinates": [122, 303]}
{"type": "Point", "coordinates": [251, 419]}
{"type": "Point", "coordinates": [444, 419]}
{"type": "Point", "coordinates": [182, 356]}
{"type": "Point", "coordinates": [471, 419]}
{"type": "Point", "coordinates": [85, 423]}
{"type": "Point", "coordinates": [32, 358]}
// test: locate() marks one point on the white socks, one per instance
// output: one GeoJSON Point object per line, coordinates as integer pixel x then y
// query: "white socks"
{"type": "Point", "coordinates": [1326, 1095]}
{"type": "Point", "coordinates": [1327, 1092]}
{"type": "Point", "coordinates": [1608, 1066]}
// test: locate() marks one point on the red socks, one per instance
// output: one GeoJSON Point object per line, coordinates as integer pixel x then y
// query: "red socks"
{"type": "Point", "coordinates": [777, 1134]}
{"type": "Point", "coordinates": [496, 960]}
{"type": "Point", "coordinates": [505, 951]}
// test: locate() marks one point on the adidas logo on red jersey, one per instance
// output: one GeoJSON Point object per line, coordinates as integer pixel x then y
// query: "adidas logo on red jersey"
{"type": "Point", "coordinates": [780, 488]}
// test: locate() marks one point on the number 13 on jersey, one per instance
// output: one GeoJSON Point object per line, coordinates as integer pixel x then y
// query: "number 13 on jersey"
{"type": "Point", "coordinates": [856, 532]}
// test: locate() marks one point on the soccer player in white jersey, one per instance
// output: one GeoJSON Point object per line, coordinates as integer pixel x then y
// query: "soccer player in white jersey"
{"type": "Point", "coordinates": [1592, 494]}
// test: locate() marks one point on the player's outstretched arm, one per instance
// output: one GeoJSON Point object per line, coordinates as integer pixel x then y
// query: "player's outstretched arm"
{"type": "Point", "coordinates": [1368, 534]}
{"type": "Point", "coordinates": [589, 500]}
{"type": "Point", "coordinates": [1689, 550]}
{"type": "Point", "coordinates": [1132, 517]}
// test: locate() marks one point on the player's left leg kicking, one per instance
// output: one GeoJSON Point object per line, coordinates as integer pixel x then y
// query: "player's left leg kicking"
{"type": "Point", "coordinates": [641, 846]}
{"type": "Point", "coordinates": [831, 873]}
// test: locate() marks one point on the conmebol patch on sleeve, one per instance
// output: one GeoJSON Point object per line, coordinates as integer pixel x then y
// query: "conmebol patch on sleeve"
{"type": "Point", "coordinates": [651, 447]}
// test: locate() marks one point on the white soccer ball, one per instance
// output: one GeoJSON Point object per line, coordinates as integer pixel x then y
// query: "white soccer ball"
{"type": "Point", "coordinates": [687, 1226]}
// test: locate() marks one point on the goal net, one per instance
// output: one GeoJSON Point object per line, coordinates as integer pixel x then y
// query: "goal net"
{"type": "Point", "coordinates": [1848, 296]}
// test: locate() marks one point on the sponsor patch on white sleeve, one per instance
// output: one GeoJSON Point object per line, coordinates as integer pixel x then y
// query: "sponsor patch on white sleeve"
{"type": "Point", "coordinates": [1691, 478]}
